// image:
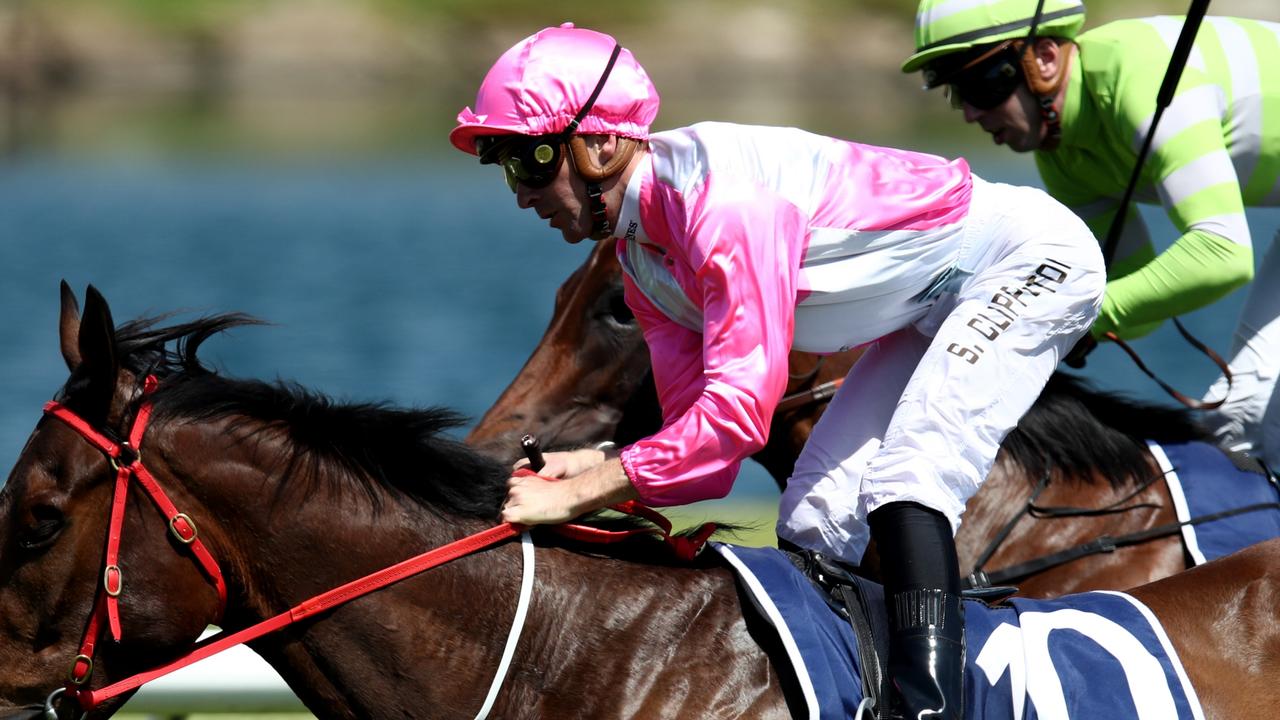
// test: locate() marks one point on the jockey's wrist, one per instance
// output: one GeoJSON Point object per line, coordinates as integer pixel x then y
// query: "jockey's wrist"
{"type": "Point", "coordinates": [586, 458]}
{"type": "Point", "coordinates": [603, 485]}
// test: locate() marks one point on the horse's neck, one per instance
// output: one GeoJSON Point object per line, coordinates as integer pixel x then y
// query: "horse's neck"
{"type": "Point", "coordinates": [446, 622]}
{"type": "Point", "coordinates": [599, 632]}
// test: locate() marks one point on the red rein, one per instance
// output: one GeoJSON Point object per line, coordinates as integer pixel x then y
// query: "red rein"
{"type": "Point", "coordinates": [127, 460]}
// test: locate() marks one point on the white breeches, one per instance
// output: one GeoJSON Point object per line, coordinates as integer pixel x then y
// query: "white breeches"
{"type": "Point", "coordinates": [922, 414]}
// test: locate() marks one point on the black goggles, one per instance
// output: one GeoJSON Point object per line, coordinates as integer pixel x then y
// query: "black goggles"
{"type": "Point", "coordinates": [530, 161]}
{"type": "Point", "coordinates": [988, 80]}
{"type": "Point", "coordinates": [535, 161]}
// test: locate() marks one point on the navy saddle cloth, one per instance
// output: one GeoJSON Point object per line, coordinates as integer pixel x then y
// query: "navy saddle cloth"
{"type": "Point", "coordinates": [1092, 655]}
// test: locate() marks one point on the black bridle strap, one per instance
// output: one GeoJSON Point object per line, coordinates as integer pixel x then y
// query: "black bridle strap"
{"type": "Point", "coordinates": [1030, 509]}
{"type": "Point", "coordinates": [1048, 512]}
{"type": "Point", "coordinates": [1106, 543]}
{"type": "Point", "coordinates": [1101, 544]}
{"type": "Point", "coordinates": [1003, 535]}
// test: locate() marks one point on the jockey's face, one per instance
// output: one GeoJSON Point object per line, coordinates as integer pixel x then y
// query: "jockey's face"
{"type": "Point", "coordinates": [1015, 122]}
{"type": "Point", "coordinates": [563, 203]}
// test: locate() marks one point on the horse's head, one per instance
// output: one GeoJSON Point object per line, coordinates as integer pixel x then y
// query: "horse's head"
{"type": "Point", "coordinates": [590, 362]}
{"type": "Point", "coordinates": [54, 521]}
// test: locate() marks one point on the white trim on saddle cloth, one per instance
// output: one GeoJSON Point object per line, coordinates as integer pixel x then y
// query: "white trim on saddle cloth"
{"type": "Point", "coordinates": [1100, 654]}
{"type": "Point", "coordinates": [1202, 481]}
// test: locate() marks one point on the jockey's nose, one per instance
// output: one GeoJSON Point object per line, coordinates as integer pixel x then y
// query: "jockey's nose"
{"type": "Point", "coordinates": [524, 196]}
{"type": "Point", "coordinates": [971, 113]}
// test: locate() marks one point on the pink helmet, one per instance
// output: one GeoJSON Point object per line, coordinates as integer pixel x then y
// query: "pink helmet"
{"type": "Point", "coordinates": [540, 84]}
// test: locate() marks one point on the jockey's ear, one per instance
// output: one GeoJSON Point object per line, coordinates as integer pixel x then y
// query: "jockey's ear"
{"type": "Point", "coordinates": [1045, 63]}
{"type": "Point", "coordinates": [69, 328]}
{"type": "Point", "coordinates": [99, 365]}
{"type": "Point", "coordinates": [600, 156]}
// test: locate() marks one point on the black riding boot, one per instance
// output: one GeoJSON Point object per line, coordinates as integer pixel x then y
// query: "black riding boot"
{"type": "Point", "coordinates": [926, 620]}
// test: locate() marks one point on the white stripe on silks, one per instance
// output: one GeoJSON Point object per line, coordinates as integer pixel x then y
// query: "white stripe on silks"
{"type": "Point", "coordinates": [513, 637]}
{"type": "Point", "coordinates": [780, 623]}
{"type": "Point", "coordinates": [1244, 126]}
{"type": "Point", "coordinates": [1199, 104]}
{"type": "Point", "coordinates": [1179, 501]}
{"type": "Point", "coordinates": [1157, 628]}
{"type": "Point", "coordinates": [1169, 29]}
{"type": "Point", "coordinates": [1244, 136]}
{"type": "Point", "coordinates": [1232, 226]}
{"type": "Point", "coordinates": [1242, 60]}
{"type": "Point", "coordinates": [833, 244]}
{"type": "Point", "coordinates": [1203, 172]}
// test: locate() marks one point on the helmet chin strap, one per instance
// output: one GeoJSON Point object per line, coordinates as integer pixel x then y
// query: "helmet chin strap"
{"type": "Point", "coordinates": [594, 173]}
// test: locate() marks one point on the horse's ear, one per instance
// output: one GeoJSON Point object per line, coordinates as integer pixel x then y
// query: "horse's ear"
{"type": "Point", "coordinates": [97, 344]}
{"type": "Point", "coordinates": [69, 328]}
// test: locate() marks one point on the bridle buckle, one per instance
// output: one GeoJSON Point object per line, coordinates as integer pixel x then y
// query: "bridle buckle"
{"type": "Point", "coordinates": [75, 675]}
{"type": "Point", "coordinates": [112, 580]}
{"type": "Point", "coordinates": [183, 528]}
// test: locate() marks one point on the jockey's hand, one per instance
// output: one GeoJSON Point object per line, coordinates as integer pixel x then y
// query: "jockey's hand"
{"type": "Point", "coordinates": [540, 500]}
{"type": "Point", "coordinates": [565, 464]}
{"type": "Point", "coordinates": [1084, 346]}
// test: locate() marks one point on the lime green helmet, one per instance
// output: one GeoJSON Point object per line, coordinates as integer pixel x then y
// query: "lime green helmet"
{"type": "Point", "coordinates": [944, 27]}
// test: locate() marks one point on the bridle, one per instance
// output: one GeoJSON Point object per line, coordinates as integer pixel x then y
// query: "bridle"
{"type": "Point", "coordinates": [125, 457]}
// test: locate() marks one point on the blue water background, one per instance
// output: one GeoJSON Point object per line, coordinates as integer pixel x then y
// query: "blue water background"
{"type": "Point", "coordinates": [412, 280]}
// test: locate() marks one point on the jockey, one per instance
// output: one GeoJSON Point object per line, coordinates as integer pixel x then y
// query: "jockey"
{"type": "Point", "coordinates": [739, 243]}
{"type": "Point", "coordinates": [1083, 103]}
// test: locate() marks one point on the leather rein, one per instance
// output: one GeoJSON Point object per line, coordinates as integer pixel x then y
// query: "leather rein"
{"type": "Point", "coordinates": [126, 458]}
{"type": "Point", "coordinates": [980, 578]}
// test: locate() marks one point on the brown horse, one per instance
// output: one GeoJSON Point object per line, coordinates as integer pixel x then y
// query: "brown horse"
{"type": "Point", "coordinates": [292, 494]}
{"type": "Point", "coordinates": [588, 381]}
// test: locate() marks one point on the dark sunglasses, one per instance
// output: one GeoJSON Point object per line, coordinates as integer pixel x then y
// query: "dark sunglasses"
{"type": "Point", "coordinates": [535, 161]}
{"type": "Point", "coordinates": [988, 80]}
{"type": "Point", "coordinates": [530, 161]}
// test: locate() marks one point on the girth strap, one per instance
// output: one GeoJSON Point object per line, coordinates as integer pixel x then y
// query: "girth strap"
{"type": "Point", "coordinates": [851, 596]}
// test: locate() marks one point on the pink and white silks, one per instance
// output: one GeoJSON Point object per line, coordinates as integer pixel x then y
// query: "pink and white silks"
{"type": "Point", "coordinates": [739, 243]}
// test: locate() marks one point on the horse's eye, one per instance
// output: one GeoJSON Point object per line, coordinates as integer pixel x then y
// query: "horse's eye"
{"type": "Point", "coordinates": [48, 522]}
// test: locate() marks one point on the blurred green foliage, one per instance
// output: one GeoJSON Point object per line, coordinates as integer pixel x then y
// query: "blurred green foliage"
{"type": "Point", "coordinates": [183, 16]}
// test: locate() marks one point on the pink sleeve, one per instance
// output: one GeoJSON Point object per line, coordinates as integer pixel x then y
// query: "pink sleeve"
{"type": "Point", "coordinates": [719, 390]}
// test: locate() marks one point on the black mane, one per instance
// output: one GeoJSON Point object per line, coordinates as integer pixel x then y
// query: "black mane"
{"type": "Point", "coordinates": [371, 444]}
{"type": "Point", "coordinates": [1076, 430]}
